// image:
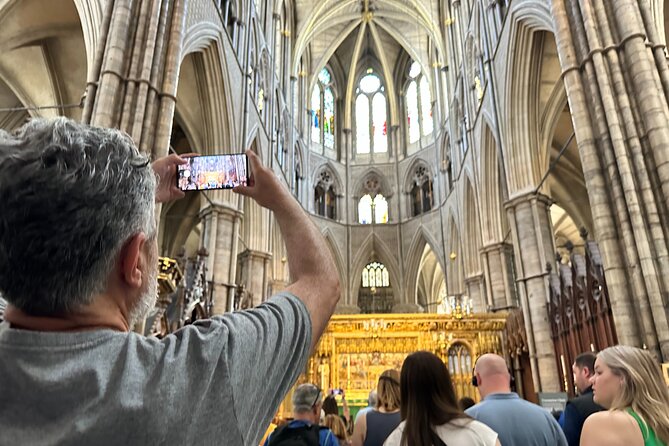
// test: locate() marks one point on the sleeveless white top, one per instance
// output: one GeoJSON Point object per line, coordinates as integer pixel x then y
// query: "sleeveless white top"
{"type": "Point", "coordinates": [459, 432]}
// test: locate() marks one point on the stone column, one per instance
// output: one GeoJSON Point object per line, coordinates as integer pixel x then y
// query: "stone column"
{"type": "Point", "coordinates": [496, 260]}
{"type": "Point", "coordinates": [618, 100]}
{"type": "Point", "coordinates": [531, 228]}
{"type": "Point", "coordinates": [475, 290]}
{"type": "Point", "coordinates": [220, 237]}
{"type": "Point", "coordinates": [253, 274]}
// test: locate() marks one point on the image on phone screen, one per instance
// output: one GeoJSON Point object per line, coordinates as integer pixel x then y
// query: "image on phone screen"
{"type": "Point", "coordinates": [213, 172]}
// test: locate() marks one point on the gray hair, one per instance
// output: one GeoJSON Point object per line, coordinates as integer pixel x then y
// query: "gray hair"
{"type": "Point", "coordinates": [71, 196]}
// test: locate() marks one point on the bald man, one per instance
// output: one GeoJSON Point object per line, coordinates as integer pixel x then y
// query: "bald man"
{"type": "Point", "coordinates": [516, 421]}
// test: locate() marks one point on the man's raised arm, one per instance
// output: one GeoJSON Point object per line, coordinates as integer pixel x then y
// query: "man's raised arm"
{"type": "Point", "coordinates": [313, 273]}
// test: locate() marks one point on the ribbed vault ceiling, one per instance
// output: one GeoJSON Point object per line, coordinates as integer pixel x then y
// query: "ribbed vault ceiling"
{"type": "Point", "coordinates": [332, 26]}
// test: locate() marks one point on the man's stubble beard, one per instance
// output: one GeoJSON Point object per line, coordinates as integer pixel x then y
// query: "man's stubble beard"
{"type": "Point", "coordinates": [147, 300]}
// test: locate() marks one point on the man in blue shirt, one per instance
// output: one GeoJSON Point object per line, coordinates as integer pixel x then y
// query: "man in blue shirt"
{"type": "Point", "coordinates": [307, 402]}
{"type": "Point", "coordinates": [582, 406]}
{"type": "Point", "coordinates": [516, 421]}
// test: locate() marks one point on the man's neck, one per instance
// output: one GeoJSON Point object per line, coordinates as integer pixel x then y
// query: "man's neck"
{"type": "Point", "coordinates": [303, 417]}
{"type": "Point", "coordinates": [585, 391]}
{"type": "Point", "coordinates": [97, 316]}
{"type": "Point", "coordinates": [496, 390]}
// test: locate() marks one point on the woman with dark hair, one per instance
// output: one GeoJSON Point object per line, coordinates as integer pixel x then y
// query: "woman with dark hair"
{"type": "Point", "coordinates": [330, 407]}
{"type": "Point", "coordinates": [374, 426]}
{"type": "Point", "coordinates": [431, 415]}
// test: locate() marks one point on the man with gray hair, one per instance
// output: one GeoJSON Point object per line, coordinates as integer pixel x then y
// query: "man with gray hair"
{"type": "Point", "coordinates": [304, 429]}
{"type": "Point", "coordinates": [78, 268]}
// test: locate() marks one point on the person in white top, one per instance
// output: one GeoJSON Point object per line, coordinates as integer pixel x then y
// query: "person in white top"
{"type": "Point", "coordinates": [430, 411]}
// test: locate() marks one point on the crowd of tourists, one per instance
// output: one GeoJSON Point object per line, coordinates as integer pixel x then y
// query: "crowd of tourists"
{"type": "Point", "coordinates": [78, 270]}
{"type": "Point", "coordinates": [622, 401]}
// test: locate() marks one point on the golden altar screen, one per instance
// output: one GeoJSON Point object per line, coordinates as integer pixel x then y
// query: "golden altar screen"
{"type": "Point", "coordinates": [356, 349]}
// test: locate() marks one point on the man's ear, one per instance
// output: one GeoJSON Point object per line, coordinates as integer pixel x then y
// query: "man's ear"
{"type": "Point", "coordinates": [130, 260]}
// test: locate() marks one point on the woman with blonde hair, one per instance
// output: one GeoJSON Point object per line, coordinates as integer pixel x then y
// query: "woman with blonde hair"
{"type": "Point", "coordinates": [628, 383]}
{"type": "Point", "coordinates": [336, 425]}
{"type": "Point", "coordinates": [375, 426]}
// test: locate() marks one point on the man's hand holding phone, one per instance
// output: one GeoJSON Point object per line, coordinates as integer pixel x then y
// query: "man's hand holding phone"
{"type": "Point", "coordinates": [264, 186]}
{"type": "Point", "coordinates": [166, 170]}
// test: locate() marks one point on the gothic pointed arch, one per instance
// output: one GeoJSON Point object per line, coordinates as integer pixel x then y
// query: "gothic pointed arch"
{"type": "Point", "coordinates": [371, 197]}
{"type": "Point", "coordinates": [327, 192]}
{"type": "Point", "coordinates": [179, 220]}
{"type": "Point", "coordinates": [419, 187]}
{"type": "Point", "coordinates": [203, 97]}
{"type": "Point", "coordinates": [373, 248]}
{"type": "Point", "coordinates": [472, 230]}
{"type": "Point", "coordinates": [454, 256]}
{"type": "Point", "coordinates": [492, 190]}
{"type": "Point", "coordinates": [421, 242]}
{"type": "Point", "coordinates": [528, 31]}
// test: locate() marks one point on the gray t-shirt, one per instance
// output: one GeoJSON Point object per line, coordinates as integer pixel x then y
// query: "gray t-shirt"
{"type": "Point", "coordinates": [218, 381]}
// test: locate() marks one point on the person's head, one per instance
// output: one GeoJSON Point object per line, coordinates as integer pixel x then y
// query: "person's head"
{"type": "Point", "coordinates": [330, 405]}
{"type": "Point", "coordinates": [630, 377]}
{"type": "Point", "coordinates": [388, 391]}
{"type": "Point", "coordinates": [307, 403]}
{"type": "Point", "coordinates": [583, 368]}
{"type": "Point", "coordinates": [77, 221]}
{"type": "Point", "coordinates": [372, 399]}
{"type": "Point", "coordinates": [427, 397]}
{"type": "Point", "coordinates": [492, 375]}
{"type": "Point", "coordinates": [336, 425]}
{"type": "Point", "coordinates": [465, 403]}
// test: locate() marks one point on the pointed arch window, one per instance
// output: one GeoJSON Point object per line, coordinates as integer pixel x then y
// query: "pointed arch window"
{"type": "Point", "coordinates": [418, 101]}
{"type": "Point", "coordinates": [421, 192]}
{"type": "Point", "coordinates": [371, 111]}
{"type": "Point", "coordinates": [325, 197]}
{"type": "Point", "coordinates": [375, 275]}
{"type": "Point", "coordinates": [323, 111]}
{"type": "Point", "coordinates": [372, 210]}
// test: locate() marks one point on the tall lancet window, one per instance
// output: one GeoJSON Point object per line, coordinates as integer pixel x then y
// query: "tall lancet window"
{"type": "Point", "coordinates": [323, 111]}
{"type": "Point", "coordinates": [418, 102]}
{"type": "Point", "coordinates": [371, 125]}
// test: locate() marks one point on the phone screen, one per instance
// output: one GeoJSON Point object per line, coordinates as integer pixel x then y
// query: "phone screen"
{"type": "Point", "coordinates": [213, 172]}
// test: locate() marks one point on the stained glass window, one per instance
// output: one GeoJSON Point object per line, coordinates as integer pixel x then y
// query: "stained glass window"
{"type": "Point", "coordinates": [379, 124]}
{"type": "Point", "coordinates": [370, 84]}
{"type": "Point", "coordinates": [375, 275]}
{"type": "Point", "coordinates": [323, 111]}
{"type": "Point", "coordinates": [418, 104]}
{"type": "Point", "coordinates": [412, 113]}
{"type": "Point", "coordinates": [373, 210]}
{"type": "Point", "coordinates": [328, 118]}
{"type": "Point", "coordinates": [324, 77]}
{"type": "Point", "coordinates": [365, 210]}
{"type": "Point", "coordinates": [362, 123]}
{"type": "Point", "coordinates": [380, 209]}
{"type": "Point", "coordinates": [414, 70]}
{"type": "Point", "coordinates": [371, 115]}
{"type": "Point", "coordinates": [426, 106]}
{"type": "Point", "coordinates": [316, 114]}
{"type": "Point", "coordinates": [278, 37]}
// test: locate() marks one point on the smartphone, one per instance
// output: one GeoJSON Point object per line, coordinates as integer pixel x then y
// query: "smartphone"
{"type": "Point", "coordinates": [209, 172]}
